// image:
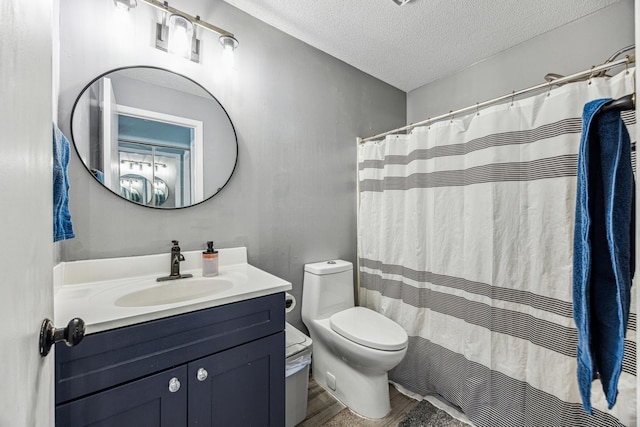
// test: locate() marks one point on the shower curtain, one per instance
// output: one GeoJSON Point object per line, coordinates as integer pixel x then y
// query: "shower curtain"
{"type": "Point", "coordinates": [465, 238]}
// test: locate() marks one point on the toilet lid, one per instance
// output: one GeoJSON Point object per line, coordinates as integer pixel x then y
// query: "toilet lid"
{"type": "Point", "coordinates": [369, 328]}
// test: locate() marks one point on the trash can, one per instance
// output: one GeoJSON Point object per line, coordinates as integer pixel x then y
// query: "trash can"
{"type": "Point", "coordinates": [298, 359]}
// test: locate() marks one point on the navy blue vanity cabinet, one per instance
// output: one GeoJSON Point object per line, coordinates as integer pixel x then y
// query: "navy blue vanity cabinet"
{"type": "Point", "coordinates": [222, 366]}
{"type": "Point", "coordinates": [147, 402]}
{"type": "Point", "coordinates": [236, 387]}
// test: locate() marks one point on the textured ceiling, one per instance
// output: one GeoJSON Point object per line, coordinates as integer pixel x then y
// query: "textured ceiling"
{"type": "Point", "coordinates": [411, 45]}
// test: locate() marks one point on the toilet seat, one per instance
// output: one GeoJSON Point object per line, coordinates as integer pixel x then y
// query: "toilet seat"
{"type": "Point", "coordinates": [369, 328]}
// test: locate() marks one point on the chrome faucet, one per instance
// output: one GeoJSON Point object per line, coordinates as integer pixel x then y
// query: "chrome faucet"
{"type": "Point", "coordinates": [176, 258]}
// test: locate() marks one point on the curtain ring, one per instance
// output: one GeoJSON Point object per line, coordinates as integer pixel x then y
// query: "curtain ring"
{"type": "Point", "coordinates": [513, 95]}
{"type": "Point", "coordinates": [626, 65]}
{"type": "Point", "coordinates": [549, 89]}
{"type": "Point", "coordinates": [429, 121]}
{"type": "Point", "coordinates": [477, 108]}
{"type": "Point", "coordinates": [451, 114]}
{"type": "Point", "coordinates": [591, 75]}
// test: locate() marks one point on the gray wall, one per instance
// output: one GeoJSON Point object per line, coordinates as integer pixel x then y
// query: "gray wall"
{"type": "Point", "coordinates": [297, 113]}
{"type": "Point", "coordinates": [571, 48]}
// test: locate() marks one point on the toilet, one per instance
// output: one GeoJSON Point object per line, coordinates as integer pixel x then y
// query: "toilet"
{"type": "Point", "coordinates": [353, 347]}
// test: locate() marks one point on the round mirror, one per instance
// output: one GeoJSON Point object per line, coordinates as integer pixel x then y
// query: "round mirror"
{"type": "Point", "coordinates": [154, 137]}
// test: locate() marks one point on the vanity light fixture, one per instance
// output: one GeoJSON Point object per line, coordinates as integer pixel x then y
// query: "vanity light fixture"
{"type": "Point", "coordinates": [126, 4]}
{"type": "Point", "coordinates": [228, 42]}
{"type": "Point", "coordinates": [177, 32]}
{"type": "Point", "coordinates": [181, 36]}
{"type": "Point", "coordinates": [140, 164]}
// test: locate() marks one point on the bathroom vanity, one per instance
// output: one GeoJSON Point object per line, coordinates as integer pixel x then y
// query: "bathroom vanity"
{"type": "Point", "coordinates": [216, 359]}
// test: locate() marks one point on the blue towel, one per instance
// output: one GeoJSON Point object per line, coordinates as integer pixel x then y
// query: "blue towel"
{"type": "Point", "coordinates": [99, 175]}
{"type": "Point", "coordinates": [62, 227]}
{"type": "Point", "coordinates": [603, 259]}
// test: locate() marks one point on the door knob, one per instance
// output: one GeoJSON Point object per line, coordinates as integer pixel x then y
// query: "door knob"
{"type": "Point", "coordinates": [49, 335]}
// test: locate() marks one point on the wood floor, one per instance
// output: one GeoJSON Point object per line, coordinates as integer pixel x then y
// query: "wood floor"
{"type": "Point", "coordinates": [324, 410]}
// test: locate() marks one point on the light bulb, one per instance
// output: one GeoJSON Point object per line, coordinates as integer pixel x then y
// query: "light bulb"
{"type": "Point", "coordinates": [180, 35]}
{"type": "Point", "coordinates": [228, 42]}
{"type": "Point", "coordinates": [125, 4]}
{"type": "Point", "coordinates": [227, 56]}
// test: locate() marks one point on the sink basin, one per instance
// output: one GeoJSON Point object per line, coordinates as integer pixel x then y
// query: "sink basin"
{"type": "Point", "coordinates": [172, 292]}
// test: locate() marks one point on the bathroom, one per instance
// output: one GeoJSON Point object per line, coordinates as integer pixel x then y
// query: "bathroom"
{"type": "Point", "coordinates": [297, 113]}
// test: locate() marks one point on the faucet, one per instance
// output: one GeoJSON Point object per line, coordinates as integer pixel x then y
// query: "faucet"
{"type": "Point", "coordinates": [176, 258]}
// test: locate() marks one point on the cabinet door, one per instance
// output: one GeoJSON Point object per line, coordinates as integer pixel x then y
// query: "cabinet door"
{"type": "Point", "coordinates": [244, 386]}
{"type": "Point", "coordinates": [158, 400]}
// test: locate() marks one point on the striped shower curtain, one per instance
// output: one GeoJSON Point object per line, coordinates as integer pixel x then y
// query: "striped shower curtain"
{"type": "Point", "coordinates": [465, 238]}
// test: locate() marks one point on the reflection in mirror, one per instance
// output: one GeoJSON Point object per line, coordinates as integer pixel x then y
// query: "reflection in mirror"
{"type": "Point", "coordinates": [154, 137]}
{"type": "Point", "coordinates": [135, 188]}
{"type": "Point", "coordinates": [138, 189]}
{"type": "Point", "coordinates": [161, 192]}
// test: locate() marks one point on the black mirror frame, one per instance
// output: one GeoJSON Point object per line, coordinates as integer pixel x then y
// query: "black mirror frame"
{"type": "Point", "coordinates": [88, 85]}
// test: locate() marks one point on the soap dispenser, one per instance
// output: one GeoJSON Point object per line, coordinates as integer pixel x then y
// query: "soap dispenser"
{"type": "Point", "coordinates": [210, 261]}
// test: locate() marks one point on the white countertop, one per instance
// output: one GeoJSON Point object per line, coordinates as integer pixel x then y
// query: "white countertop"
{"type": "Point", "coordinates": [89, 289]}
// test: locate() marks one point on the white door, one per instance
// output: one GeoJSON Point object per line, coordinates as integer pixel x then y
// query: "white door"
{"type": "Point", "coordinates": [637, 236]}
{"type": "Point", "coordinates": [111, 162]}
{"type": "Point", "coordinates": [26, 254]}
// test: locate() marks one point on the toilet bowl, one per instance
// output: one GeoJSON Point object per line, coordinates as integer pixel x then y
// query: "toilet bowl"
{"type": "Point", "coordinates": [354, 347]}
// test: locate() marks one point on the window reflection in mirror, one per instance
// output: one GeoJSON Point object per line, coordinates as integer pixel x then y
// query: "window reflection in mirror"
{"type": "Point", "coordinates": [154, 137]}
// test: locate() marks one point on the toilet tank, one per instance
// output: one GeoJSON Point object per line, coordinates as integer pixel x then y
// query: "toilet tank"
{"type": "Point", "coordinates": [327, 289]}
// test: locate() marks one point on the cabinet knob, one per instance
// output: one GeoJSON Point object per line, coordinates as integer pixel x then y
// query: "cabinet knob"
{"type": "Point", "coordinates": [202, 374]}
{"type": "Point", "coordinates": [72, 334]}
{"type": "Point", "coordinates": [174, 385]}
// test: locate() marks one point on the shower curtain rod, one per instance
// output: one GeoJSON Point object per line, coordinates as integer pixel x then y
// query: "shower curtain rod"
{"type": "Point", "coordinates": [629, 59]}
